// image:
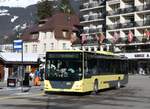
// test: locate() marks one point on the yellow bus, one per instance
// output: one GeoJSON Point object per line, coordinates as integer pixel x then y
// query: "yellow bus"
{"type": "Point", "coordinates": [83, 71]}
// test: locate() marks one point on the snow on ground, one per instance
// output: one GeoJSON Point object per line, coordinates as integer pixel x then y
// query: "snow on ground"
{"type": "Point", "coordinates": [4, 12]}
{"type": "Point", "coordinates": [14, 18]}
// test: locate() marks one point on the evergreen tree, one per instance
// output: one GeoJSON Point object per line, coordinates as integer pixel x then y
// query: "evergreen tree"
{"type": "Point", "coordinates": [65, 7]}
{"type": "Point", "coordinates": [44, 9]}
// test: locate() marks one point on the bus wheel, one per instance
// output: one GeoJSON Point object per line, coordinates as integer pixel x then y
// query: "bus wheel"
{"type": "Point", "coordinates": [118, 85]}
{"type": "Point", "coordinates": [95, 87]}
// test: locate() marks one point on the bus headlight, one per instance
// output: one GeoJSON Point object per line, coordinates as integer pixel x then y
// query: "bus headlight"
{"type": "Point", "coordinates": [78, 86]}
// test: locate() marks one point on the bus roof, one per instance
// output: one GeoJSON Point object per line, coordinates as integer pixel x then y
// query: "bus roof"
{"type": "Point", "coordinates": [104, 53]}
{"type": "Point", "coordinates": [65, 51]}
{"type": "Point", "coordinates": [99, 52]}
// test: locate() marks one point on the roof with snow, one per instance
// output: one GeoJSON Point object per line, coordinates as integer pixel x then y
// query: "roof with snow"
{"type": "Point", "coordinates": [58, 23]}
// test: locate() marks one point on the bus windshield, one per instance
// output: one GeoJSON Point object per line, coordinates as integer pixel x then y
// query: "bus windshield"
{"type": "Point", "coordinates": [64, 69]}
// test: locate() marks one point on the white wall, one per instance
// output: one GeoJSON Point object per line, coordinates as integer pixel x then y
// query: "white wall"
{"type": "Point", "coordinates": [46, 39]}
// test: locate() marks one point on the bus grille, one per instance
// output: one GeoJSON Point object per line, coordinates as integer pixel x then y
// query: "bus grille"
{"type": "Point", "coordinates": [62, 84]}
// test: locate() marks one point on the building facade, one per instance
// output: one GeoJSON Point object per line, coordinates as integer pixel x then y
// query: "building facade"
{"type": "Point", "coordinates": [127, 20]}
{"type": "Point", "coordinates": [11, 64]}
{"type": "Point", "coordinates": [128, 27]}
{"type": "Point", "coordinates": [92, 18]}
{"type": "Point", "coordinates": [53, 33]}
{"type": "Point", "coordinates": [126, 24]}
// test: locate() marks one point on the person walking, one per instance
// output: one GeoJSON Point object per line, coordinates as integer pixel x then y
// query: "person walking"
{"type": "Point", "coordinates": [37, 78]}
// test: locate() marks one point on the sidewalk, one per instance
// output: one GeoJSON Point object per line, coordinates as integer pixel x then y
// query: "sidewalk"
{"type": "Point", "coordinates": [3, 86]}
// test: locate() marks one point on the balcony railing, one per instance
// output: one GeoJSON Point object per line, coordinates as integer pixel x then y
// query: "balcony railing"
{"type": "Point", "coordinates": [143, 23]}
{"type": "Point", "coordinates": [143, 7]}
{"type": "Point", "coordinates": [92, 4]}
{"type": "Point", "coordinates": [92, 17]}
{"type": "Point", "coordinates": [127, 25]}
{"type": "Point", "coordinates": [114, 12]}
{"type": "Point", "coordinates": [114, 26]}
{"type": "Point", "coordinates": [94, 29]}
{"type": "Point", "coordinates": [127, 10]}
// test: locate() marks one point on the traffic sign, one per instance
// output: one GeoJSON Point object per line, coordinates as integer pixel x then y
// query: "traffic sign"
{"type": "Point", "coordinates": [17, 44]}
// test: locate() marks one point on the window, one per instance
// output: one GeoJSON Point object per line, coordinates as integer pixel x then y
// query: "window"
{"type": "Point", "coordinates": [51, 35]}
{"type": "Point", "coordinates": [64, 34]}
{"type": "Point", "coordinates": [44, 49]}
{"type": "Point", "coordinates": [64, 46]}
{"type": "Point", "coordinates": [35, 35]}
{"type": "Point", "coordinates": [34, 49]}
{"type": "Point", "coordinates": [52, 46]}
{"type": "Point", "coordinates": [26, 48]}
{"type": "Point", "coordinates": [44, 36]}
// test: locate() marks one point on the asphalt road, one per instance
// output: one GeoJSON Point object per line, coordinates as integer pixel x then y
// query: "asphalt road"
{"type": "Point", "coordinates": [136, 95]}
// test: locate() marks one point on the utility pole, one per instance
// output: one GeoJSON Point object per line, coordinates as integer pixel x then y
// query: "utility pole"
{"type": "Point", "coordinates": [18, 46]}
{"type": "Point", "coordinates": [22, 68]}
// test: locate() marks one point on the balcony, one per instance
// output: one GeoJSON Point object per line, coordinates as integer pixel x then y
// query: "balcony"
{"type": "Point", "coordinates": [86, 29]}
{"type": "Point", "coordinates": [114, 26]}
{"type": "Point", "coordinates": [143, 7]}
{"type": "Point", "coordinates": [127, 25]}
{"type": "Point", "coordinates": [91, 5]}
{"type": "Point", "coordinates": [114, 12]}
{"type": "Point", "coordinates": [127, 9]}
{"type": "Point", "coordinates": [92, 17]}
{"type": "Point", "coordinates": [121, 11]}
{"type": "Point", "coordinates": [143, 23]}
{"type": "Point", "coordinates": [121, 25]}
{"type": "Point", "coordinates": [93, 29]}
{"type": "Point", "coordinates": [113, 1]}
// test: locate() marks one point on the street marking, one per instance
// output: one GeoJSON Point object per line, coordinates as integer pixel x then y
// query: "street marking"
{"type": "Point", "coordinates": [33, 95]}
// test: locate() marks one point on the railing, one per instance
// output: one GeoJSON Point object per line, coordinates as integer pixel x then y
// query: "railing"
{"type": "Point", "coordinates": [129, 24]}
{"type": "Point", "coordinates": [114, 12]}
{"type": "Point", "coordinates": [92, 5]}
{"type": "Point", "coordinates": [143, 7]}
{"type": "Point", "coordinates": [129, 9]}
{"type": "Point", "coordinates": [114, 26]}
{"type": "Point", "coordinates": [92, 31]}
{"type": "Point", "coordinates": [143, 23]}
{"type": "Point", "coordinates": [113, 1]}
{"type": "Point", "coordinates": [92, 17]}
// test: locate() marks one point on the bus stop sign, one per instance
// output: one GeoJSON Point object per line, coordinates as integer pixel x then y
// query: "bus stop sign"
{"type": "Point", "coordinates": [17, 45]}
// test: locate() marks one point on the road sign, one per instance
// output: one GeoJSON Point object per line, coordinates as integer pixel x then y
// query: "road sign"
{"type": "Point", "coordinates": [18, 44]}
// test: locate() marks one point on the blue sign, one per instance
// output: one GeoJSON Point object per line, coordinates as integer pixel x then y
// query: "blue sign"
{"type": "Point", "coordinates": [18, 45]}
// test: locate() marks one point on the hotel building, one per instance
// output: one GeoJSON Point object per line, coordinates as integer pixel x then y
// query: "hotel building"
{"type": "Point", "coordinates": [92, 17]}
{"type": "Point", "coordinates": [126, 26]}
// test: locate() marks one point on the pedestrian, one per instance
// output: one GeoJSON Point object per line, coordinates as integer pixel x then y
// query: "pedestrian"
{"type": "Point", "coordinates": [37, 78]}
{"type": "Point", "coordinates": [41, 73]}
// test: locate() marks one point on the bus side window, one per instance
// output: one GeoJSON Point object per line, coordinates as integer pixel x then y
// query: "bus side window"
{"type": "Point", "coordinates": [92, 66]}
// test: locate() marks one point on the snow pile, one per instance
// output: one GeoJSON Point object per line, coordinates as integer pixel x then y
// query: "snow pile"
{"type": "Point", "coordinates": [14, 18]}
{"type": "Point", "coordinates": [4, 12]}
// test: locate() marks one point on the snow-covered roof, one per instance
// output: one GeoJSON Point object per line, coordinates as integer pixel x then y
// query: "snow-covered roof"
{"type": "Point", "coordinates": [17, 57]}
